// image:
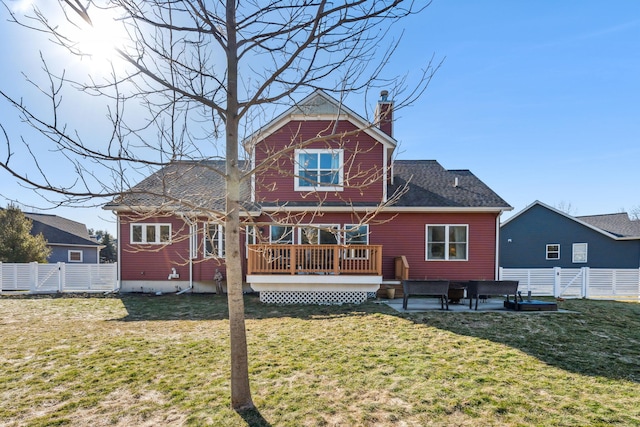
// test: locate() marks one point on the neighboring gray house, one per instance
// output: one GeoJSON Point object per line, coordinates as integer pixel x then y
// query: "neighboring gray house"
{"type": "Point", "coordinates": [68, 240]}
{"type": "Point", "coordinates": [542, 237]}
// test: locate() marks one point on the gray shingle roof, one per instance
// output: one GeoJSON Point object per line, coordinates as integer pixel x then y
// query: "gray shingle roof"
{"type": "Point", "coordinates": [58, 230]}
{"type": "Point", "coordinates": [618, 224]}
{"type": "Point", "coordinates": [200, 185]}
{"type": "Point", "coordinates": [431, 185]}
{"type": "Point", "coordinates": [183, 185]}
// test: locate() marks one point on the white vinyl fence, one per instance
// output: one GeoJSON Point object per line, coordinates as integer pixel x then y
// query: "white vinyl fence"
{"type": "Point", "coordinates": [594, 283]}
{"type": "Point", "coordinates": [61, 277]}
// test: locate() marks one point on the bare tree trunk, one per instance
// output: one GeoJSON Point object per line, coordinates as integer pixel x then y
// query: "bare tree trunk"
{"type": "Point", "coordinates": [172, 68]}
{"type": "Point", "coordinates": [240, 390]}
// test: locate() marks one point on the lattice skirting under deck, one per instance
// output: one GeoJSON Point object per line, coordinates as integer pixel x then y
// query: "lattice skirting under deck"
{"type": "Point", "coordinates": [286, 297]}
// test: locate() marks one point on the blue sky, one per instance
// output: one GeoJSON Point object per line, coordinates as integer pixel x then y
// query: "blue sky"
{"type": "Point", "coordinates": [540, 100]}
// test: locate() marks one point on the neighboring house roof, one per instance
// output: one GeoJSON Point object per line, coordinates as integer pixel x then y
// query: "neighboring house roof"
{"type": "Point", "coordinates": [60, 231]}
{"type": "Point", "coordinates": [618, 223]}
{"type": "Point", "coordinates": [183, 185]}
{"type": "Point", "coordinates": [616, 226]}
{"type": "Point", "coordinates": [197, 186]}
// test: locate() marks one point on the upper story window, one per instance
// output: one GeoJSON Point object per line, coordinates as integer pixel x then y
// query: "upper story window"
{"type": "Point", "coordinates": [150, 233]}
{"type": "Point", "coordinates": [318, 169]}
{"type": "Point", "coordinates": [447, 242]}
{"type": "Point", "coordinates": [214, 240]}
{"type": "Point", "coordinates": [553, 251]}
{"type": "Point", "coordinates": [75, 256]}
{"type": "Point", "coordinates": [579, 253]}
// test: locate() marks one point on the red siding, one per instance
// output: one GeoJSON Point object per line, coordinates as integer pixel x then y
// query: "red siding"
{"type": "Point", "coordinates": [154, 262]}
{"type": "Point", "coordinates": [363, 160]}
{"type": "Point", "coordinates": [405, 234]}
{"type": "Point", "coordinates": [401, 234]}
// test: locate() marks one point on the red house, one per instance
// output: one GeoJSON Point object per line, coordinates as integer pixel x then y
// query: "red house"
{"type": "Point", "coordinates": [330, 214]}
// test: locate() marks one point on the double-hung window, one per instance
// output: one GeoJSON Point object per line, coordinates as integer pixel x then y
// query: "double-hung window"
{"type": "Point", "coordinates": [214, 240]}
{"type": "Point", "coordinates": [318, 169]}
{"type": "Point", "coordinates": [447, 243]}
{"type": "Point", "coordinates": [150, 233]}
{"type": "Point", "coordinates": [579, 253]}
{"type": "Point", "coordinates": [354, 235]}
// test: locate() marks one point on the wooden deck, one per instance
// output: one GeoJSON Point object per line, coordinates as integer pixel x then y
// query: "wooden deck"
{"type": "Point", "coordinates": [315, 259]}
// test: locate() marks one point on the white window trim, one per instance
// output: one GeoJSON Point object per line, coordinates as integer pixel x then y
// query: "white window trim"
{"type": "Point", "coordinates": [546, 254]}
{"type": "Point", "coordinates": [70, 251]}
{"type": "Point", "coordinates": [446, 243]}
{"type": "Point", "coordinates": [221, 246]}
{"type": "Point", "coordinates": [574, 253]}
{"type": "Point", "coordinates": [193, 241]}
{"type": "Point", "coordinates": [338, 187]}
{"type": "Point", "coordinates": [144, 226]}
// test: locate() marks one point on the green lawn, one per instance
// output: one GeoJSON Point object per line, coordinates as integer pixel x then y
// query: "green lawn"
{"type": "Point", "coordinates": [163, 361]}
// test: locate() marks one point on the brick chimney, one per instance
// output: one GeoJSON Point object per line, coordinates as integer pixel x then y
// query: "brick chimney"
{"type": "Point", "coordinates": [384, 113]}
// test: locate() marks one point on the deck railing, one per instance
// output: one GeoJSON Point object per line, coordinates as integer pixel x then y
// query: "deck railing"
{"type": "Point", "coordinates": [311, 259]}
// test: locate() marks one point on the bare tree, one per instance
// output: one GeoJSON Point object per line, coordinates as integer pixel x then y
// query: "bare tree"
{"type": "Point", "coordinates": [190, 75]}
{"type": "Point", "coordinates": [566, 207]}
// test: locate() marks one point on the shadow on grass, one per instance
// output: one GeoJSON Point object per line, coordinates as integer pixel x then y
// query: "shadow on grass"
{"type": "Point", "coordinates": [144, 307]}
{"type": "Point", "coordinates": [254, 418]}
{"type": "Point", "coordinates": [597, 338]}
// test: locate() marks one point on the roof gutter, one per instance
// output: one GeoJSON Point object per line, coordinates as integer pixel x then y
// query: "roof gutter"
{"type": "Point", "coordinates": [390, 209]}
{"type": "Point", "coordinates": [147, 209]}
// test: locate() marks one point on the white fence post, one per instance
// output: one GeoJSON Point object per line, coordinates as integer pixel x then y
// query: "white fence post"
{"type": "Point", "coordinates": [585, 282]}
{"type": "Point", "coordinates": [33, 276]}
{"type": "Point", "coordinates": [61, 272]}
{"type": "Point", "coordinates": [556, 281]}
{"type": "Point", "coordinates": [116, 276]}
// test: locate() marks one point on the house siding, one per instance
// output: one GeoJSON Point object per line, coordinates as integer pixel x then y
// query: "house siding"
{"type": "Point", "coordinates": [405, 234]}
{"type": "Point", "coordinates": [363, 160]}
{"type": "Point", "coordinates": [399, 234]}
{"type": "Point", "coordinates": [154, 262]}
{"type": "Point", "coordinates": [532, 230]}
{"type": "Point", "coordinates": [61, 254]}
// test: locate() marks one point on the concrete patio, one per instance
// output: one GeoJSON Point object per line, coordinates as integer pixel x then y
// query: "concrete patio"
{"type": "Point", "coordinates": [417, 305]}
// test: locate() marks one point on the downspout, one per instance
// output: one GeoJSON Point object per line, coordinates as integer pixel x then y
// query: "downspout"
{"type": "Point", "coordinates": [119, 261]}
{"type": "Point", "coordinates": [191, 237]}
{"type": "Point", "coordinates": [497, 267]}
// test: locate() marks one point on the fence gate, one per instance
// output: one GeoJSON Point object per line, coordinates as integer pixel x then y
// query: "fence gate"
{"type": "Point", "coordinates": [60, 277]}
{"type": "Point", "coordinates": [594, 283]}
